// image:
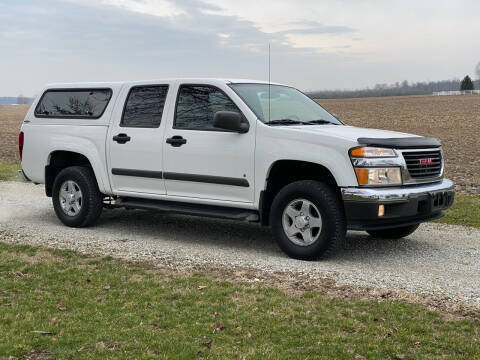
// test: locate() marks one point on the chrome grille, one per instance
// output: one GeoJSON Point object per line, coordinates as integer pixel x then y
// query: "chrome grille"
{"type": "Point", "coordinates": [423, 164]}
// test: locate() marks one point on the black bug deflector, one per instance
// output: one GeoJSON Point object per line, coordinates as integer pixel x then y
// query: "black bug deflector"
{"type": "Point", "coordinates": [401, 143]}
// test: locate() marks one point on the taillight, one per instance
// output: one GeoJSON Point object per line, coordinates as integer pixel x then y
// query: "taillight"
{"type": "Point", "coordinates": [20, 144]}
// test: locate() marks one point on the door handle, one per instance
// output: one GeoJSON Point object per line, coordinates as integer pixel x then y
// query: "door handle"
{"type": "Point", "coordinates": [121, 138]}
{"type": "Point", "coordinates": [176, 141]}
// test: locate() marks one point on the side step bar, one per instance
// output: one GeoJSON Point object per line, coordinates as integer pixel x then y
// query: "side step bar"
{"type": "Point", "coordinates": [174, 207]}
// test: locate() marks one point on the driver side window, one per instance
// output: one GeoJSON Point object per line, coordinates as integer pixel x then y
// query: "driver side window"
{"type": "Point", "coordinates": [197, 104]}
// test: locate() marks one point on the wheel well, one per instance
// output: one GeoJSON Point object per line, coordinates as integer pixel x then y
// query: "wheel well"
{"type": "Point", "coordinates": [59, 160]}
{"type": "Point", "coordinates": [284, 172]}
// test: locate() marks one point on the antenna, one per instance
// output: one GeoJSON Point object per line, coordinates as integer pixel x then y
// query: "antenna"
{"type": "Point", "coordinates": [269, 82]}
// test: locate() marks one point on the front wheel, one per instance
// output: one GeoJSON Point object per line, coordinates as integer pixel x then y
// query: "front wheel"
{"type": "Point", "coordinates": [308, 220]}
{"type": "Point", "coordinates": [76, 198]}
{"type": "Point", "coordinates": [394, 233]}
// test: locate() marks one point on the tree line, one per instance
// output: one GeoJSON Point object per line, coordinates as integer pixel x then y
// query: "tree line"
{"type": "Point", "coordinates": [9, 100]}
{"type": "Point", "coordinates": [403, 88]}
{"type": "Point", "coordinates": [397, 89]}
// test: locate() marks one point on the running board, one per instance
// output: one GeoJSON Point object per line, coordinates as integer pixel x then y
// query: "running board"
{"type": "Point", "coordinates": [174, 207]}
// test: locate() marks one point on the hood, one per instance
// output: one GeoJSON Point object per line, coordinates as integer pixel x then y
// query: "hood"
{"type": "Point", "coordinates": [350, 133]}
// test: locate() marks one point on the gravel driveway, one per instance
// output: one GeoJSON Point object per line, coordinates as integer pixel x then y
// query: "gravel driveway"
{"type": "Point", "coordinates": [440, 261]}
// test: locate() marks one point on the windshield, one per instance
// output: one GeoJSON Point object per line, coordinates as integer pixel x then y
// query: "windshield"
{"type": "Point", "coordinates": [286, 106]}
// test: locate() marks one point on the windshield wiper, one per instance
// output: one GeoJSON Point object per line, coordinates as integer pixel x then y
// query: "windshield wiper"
{"type": "Point", "coordinates": [320, 121]}
{"type": "Point", "coordinates": [284, 122]}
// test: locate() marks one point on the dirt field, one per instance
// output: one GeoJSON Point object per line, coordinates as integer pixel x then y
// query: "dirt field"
{"type": "Point", "coordinates": [455, 120]}
{"type": "Point", "coordinates": [11, 118]}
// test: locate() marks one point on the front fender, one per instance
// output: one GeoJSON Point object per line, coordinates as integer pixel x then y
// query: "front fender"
{"type": "Point", "coordinates": [327, 151]}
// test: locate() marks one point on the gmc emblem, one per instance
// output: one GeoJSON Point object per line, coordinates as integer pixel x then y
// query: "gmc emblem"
{"type": "Point", "coordinates": [426, 161]}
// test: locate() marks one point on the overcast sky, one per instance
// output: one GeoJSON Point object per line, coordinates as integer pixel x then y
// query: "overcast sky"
{"type": "Point", "coordinates": [316, 44]}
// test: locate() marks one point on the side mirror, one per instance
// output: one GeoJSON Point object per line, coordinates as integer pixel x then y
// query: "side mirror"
{"type": "Point", "coordinates": [230, 120]}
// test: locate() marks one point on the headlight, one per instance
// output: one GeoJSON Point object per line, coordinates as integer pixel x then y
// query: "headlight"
{"type": "Point", "coordinates": [379, 176]}
{"type": "Point", "coordinates": [372, 152]}
{"type": "Point", "coordinates": [373, 167]}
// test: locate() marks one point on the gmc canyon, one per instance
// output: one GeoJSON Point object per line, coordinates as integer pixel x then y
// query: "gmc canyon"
{"type": "Point", "coordinates": [234, 149]}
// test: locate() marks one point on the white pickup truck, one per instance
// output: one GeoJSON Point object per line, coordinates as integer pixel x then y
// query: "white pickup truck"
{"type": "Point", "coordinates": [234, 149]}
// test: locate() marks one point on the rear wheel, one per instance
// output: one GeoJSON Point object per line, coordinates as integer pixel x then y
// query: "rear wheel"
{"type": "Point", "coordinates": [76, 198]}
{"type": "Point", "coordinates": [308, 220]}
{"type": "Point", "coordinates": [394, 233]}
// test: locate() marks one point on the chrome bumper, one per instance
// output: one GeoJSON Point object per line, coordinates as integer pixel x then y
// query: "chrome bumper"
{"type": "Point", "coordinates": [401, 206]}
{"type": "Point", "coordinates": [393, 194]}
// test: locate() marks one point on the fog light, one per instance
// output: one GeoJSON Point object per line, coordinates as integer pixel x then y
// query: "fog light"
{"type": "Point", "coordinates": [381, 210]}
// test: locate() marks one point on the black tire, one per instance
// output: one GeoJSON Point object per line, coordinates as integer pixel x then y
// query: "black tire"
{"type": "Point", "coordinates": [332, 233]}
{"type": "Point", "coordinates": [92, 199]}
{"type": "Point", "coordinates": [394, 233]}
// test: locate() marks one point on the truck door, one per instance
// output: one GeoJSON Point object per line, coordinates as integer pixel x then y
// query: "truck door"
{"type": "Point", "coordinates": [203, 162]}
{"type": "Point", "coordinates": [135, 140]}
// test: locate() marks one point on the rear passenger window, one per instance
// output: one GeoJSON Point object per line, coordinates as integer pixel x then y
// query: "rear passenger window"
{"type": "Point", "coordinates": [197, 104]}
{"type": "Point", "coordinates": [144, 106]}
{"type": "Point", "coordinates": [75, 104]}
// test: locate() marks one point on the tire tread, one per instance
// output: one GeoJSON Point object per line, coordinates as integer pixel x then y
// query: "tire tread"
{"type": "Point", "coordinates": [336, 213]}
{"type": "Point", "coordinates": [93, 198]}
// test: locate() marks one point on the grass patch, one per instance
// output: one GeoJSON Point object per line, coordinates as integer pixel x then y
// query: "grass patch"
{"type": "Point", "coordinates": [464, 211]}
{"type": "Point", "coordinates": [8, 172]}
{"type": "Point", "coordinates": [59, 304]}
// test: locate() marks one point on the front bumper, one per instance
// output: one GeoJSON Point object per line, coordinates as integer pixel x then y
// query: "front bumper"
{"type": "Point", "coordinates": [403, 205]}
